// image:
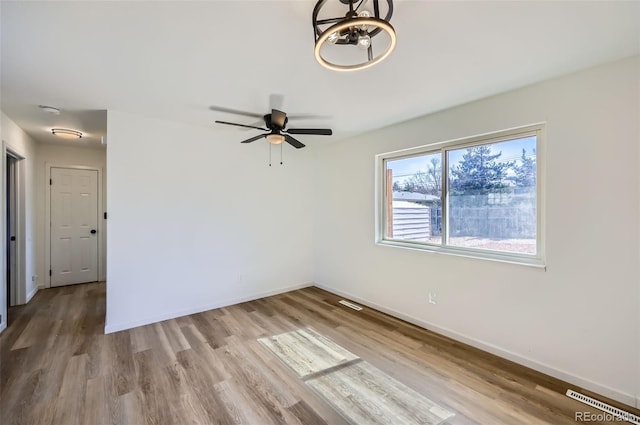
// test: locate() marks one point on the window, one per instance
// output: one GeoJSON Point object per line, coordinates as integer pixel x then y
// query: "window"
{"type": "Point", "coordinates": [478, 197]}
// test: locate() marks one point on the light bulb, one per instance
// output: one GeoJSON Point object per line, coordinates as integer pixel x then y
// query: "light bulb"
{"type": "Point", "coordinates": [333, 37]}
{"type": "Point", "coordinates": [364, 41]}
{"type": "Point", "coordinates": [364, 14]}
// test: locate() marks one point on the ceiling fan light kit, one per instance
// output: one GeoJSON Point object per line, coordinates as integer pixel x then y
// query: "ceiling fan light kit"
{"type": "Point", "coordinates": [276, 129]}
{"type": "Point", "coordinates": [357, 28]}
{"type": "Point", "coordinates": [274, 138]}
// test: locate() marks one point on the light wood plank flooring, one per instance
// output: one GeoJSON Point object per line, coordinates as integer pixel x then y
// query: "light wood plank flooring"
{"type": "Point", "coordinates": [57, 366]}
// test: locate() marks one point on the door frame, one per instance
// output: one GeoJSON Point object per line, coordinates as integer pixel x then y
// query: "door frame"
{"type": "Point", "coordinates": [47, 229]}
{"type": "Point", "coordinates": [20, 288]}
{"type": "Point", "coordinates": [13, 222]}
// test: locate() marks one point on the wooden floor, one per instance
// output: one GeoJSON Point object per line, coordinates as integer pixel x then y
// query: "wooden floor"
{"type": "Point", "coordinates": [57, 366]}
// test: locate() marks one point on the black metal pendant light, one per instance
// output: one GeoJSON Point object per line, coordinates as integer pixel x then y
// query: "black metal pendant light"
{"type": "Point", "coordinates": [359, 26]}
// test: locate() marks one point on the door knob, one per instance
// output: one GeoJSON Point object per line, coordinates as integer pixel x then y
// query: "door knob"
{"type": "Point", "coordinates": [94, 231]}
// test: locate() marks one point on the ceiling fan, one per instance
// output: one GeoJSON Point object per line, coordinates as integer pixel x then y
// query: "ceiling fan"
{"type": "Point", "coordinates": [276, 128]}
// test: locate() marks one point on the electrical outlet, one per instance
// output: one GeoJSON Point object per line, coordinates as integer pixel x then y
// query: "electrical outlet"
{"type": "Point", "coordinates": [433, 298]}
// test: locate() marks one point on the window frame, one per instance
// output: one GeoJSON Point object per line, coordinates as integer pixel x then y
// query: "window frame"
{"type": "Point", "coordinates": [534, 260]}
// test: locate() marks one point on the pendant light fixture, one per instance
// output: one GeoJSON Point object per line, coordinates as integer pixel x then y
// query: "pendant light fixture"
{"type": "Point", "coordinates": [356, 30]}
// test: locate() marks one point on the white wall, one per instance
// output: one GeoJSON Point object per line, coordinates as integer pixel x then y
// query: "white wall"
{"type": "Point", "coordinates": [198, 220]}
{"type": "Point", "coordinates": [48, 155]}
{"type": "Point", "coordinates": [578, 320]}
{"type": "Point", "coordinates": [17, 141]}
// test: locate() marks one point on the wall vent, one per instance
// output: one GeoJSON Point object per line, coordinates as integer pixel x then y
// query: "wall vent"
{"type": "Point", "coordinates": [350, 305]}
{"type": "Point", "coordinates": [619, 413]}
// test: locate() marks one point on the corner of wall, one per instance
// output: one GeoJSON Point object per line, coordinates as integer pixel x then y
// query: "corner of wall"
{"type": "Point", "coordinates": [32, 293]}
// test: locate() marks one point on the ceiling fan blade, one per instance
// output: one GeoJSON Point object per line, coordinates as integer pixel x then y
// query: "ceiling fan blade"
{"type": "Point", "coordinates": [293, 142]}
{"type": "Point", "coordinates": [308, 116]}
{"type": "Point", "coordinates": [235, 111]}
{"type": "Point", "coordinates": [241, 125]}
{"type": "Point", "coordinates": [318, 131]}
{"type": "Point", "coordinates": [278, 118]}
{"type": "Point", "coordinates": [253, 139]}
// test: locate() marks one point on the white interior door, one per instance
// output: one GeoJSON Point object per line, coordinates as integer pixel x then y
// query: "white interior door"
{"type": "Point", "coordinates": [74, 226]}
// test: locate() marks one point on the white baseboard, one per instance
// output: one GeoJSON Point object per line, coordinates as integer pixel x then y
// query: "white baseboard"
{"type": "Point", "coordinates": [31, 294]}
{"type": "Point", "coordinates": [604, 390]}
{"type": "Point", "coordinates": [110, 328]}
{"type": "Point", "coordinates": [3, 325]}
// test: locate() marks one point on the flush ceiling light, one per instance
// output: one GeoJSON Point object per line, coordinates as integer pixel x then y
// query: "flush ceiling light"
{"type": "Point", "coordinates": [65, 133]}
{"type": "Point", "coordinates": [357, 28]}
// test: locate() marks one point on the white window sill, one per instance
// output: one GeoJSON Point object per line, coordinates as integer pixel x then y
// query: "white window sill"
{"type": "Point", "coordinates": [502, 257]}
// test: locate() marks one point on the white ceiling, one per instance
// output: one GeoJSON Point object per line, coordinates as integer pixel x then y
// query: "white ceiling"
{"type": "Point", "coordinates": [172, 60]}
